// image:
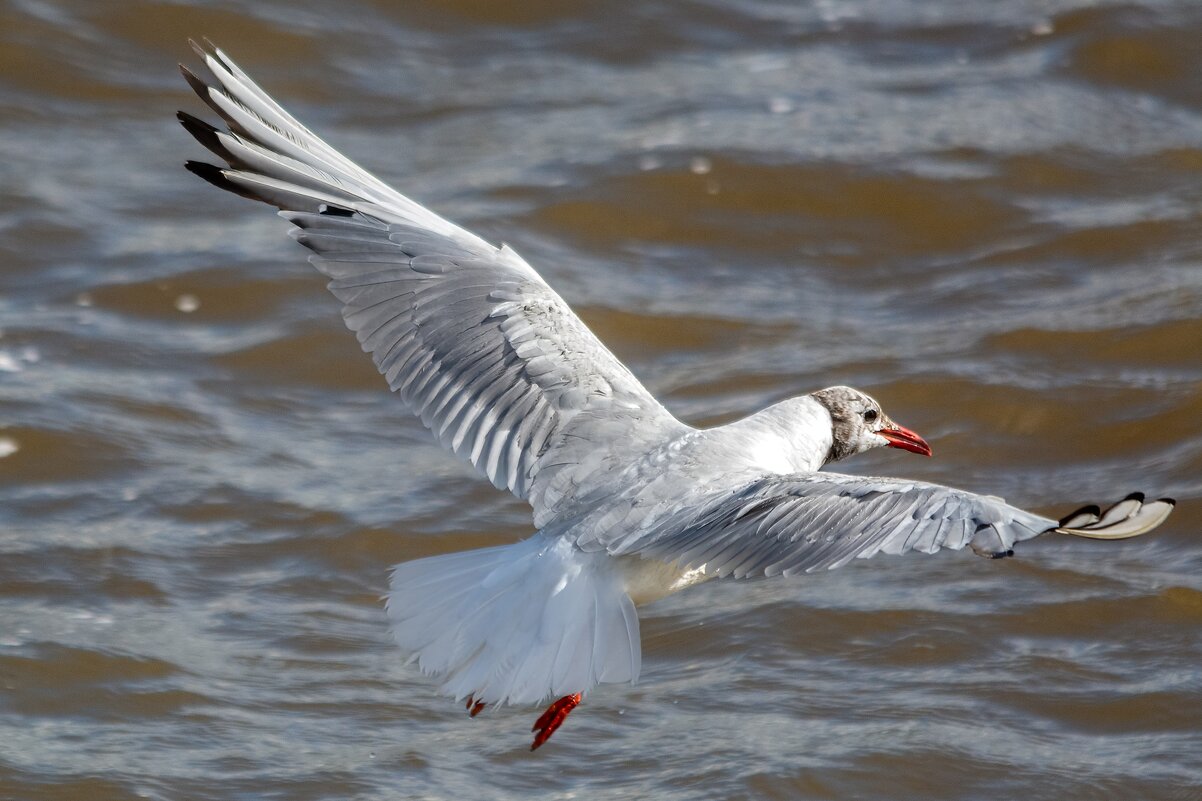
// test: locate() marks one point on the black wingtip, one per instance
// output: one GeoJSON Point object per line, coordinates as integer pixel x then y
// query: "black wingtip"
{"type": "Point", "coordinates": [1135, 496]}
{"type": "Point", "coordinates": [189, 120]}
{"type": "Point", "coordinates": [205, 93]}
{"type": "Point", "coordinates": [209, 49]}
{"type": "Point", "coordinates": [217, 177]}
{"type": "Point", "coordinates": [1091, 509]}
{"type": "Point", "coordinates": [1169, 501]}
{"type": "Point", "coordinates": [207, 135]}
{"type": "Point", "coordinates": [202, 131]}
{"type": "Point", "coordinates": [198, 86]}
{"type": "Point", "coordinates": [212, 174]}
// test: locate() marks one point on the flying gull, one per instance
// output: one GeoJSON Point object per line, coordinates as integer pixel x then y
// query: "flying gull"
{"type": "Point", "coordinates": [629, 503]}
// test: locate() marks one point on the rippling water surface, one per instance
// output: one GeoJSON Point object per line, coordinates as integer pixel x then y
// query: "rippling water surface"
{"type": "Point", "coordinates": [988, 213]}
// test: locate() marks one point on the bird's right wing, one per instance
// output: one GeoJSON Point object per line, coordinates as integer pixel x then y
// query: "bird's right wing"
{"type": "Point", "coordinates": [786, 524]}
{"type": "Point", "coordinates": [493, 361]}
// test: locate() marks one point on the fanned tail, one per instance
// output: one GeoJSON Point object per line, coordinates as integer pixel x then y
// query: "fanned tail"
{"type": "Point", "coordinates": [516, 624]}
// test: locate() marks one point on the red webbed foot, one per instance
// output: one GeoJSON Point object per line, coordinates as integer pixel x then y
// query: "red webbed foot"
{"type": "Point", "coordinates": [473, 706]}
{"type": "Point", "coordinates": [553, 718]}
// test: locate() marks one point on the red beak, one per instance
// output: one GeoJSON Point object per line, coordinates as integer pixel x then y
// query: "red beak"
{"type": "Point", "coordinates": [905, 439]}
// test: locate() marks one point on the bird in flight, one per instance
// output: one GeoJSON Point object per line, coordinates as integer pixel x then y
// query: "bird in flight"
{"type": "Point", "coordinates": [630, 504]}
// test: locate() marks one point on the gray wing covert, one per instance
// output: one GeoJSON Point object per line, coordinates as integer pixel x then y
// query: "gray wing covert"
{"type": "Point", "coordinates": [807, 522]}
{"type": "Point", "coordinates": [493, 361]}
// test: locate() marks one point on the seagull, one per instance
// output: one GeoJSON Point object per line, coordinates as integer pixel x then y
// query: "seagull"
{"type": "Point", "coordinates": [629, 504]}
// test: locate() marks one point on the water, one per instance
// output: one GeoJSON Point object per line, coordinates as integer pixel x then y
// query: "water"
{"type": "Point", "coordinates": [985, 213]}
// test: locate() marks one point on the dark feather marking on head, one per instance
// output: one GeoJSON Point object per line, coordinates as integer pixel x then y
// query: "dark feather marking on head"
{"type": "Point", "coordinates": [844, 422]}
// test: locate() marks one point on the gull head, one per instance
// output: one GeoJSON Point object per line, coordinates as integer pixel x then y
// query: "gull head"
{"type": "Point", "coordinates": [858, 424]}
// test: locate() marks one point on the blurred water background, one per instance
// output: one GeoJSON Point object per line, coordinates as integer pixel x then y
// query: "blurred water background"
{"type": "Point", "coordinates": [988, 213]}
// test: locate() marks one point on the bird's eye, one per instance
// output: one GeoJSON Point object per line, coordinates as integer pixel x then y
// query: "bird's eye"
{"type": "Point", "coordinates": [871, 415]}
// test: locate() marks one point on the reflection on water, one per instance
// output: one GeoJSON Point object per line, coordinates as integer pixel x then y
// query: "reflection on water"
{"type": "Point", "coordinates": [986, 213]}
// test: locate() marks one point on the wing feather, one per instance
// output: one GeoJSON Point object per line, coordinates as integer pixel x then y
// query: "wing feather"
{"type": "Point", "coordinates": [815, 521]}
{"type": "Point", "coordinates": [487, 355]}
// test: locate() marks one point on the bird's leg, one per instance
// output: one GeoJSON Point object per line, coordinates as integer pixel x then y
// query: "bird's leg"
{"type": "Point", "coordinates": [553, 718]}
{"type": "Point", "coordinates": [473, 706]}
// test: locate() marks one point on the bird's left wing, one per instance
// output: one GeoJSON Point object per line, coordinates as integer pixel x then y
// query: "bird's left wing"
{"type": "Point", "coordinates": [493, 361]}
{"type": "Point", "coordinates": [807, 522]}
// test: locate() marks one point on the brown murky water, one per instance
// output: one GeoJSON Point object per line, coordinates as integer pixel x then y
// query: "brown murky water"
{"type": "Point", "coordinates": [989, 213]}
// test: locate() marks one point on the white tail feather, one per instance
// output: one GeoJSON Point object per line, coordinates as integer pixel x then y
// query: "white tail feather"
{"type": "Point", "coordinates": [516, 623]}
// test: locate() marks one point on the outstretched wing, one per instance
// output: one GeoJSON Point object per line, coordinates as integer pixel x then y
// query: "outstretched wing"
{"type": "Point", "coordinates": [480, 347]}
{"type": "Point", "coordinates": [806, 522]}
